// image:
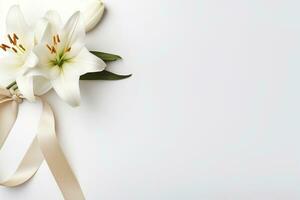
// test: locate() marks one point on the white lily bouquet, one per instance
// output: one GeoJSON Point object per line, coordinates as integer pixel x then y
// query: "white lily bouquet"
{"type": "Point", "coordinates": [35, 60]}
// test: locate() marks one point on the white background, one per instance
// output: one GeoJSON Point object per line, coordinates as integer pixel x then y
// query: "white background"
{"type": "Point", "coordinates": [211, 113]}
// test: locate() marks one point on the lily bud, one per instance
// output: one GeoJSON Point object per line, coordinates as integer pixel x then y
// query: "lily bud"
{"type": "Point", "coordinates": [93, 14]}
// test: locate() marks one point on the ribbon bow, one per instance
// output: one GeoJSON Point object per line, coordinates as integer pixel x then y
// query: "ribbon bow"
{"type": "Point", "coordinates": [44, 146]}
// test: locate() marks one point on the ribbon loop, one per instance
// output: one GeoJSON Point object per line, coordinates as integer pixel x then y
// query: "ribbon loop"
{"type": "Point", "coordinates": [44, 146]}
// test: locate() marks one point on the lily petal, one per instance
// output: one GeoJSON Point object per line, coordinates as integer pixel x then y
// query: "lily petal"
{"type": "Point", "coordinates": [25, 85]}
{"type": "Point", "coordinates": [15, 23]}
{"type": "Point", "coordinates": [41, 85]}
{"type": "Point", "coordinates": [44, 67]}
{"type": "Point", "coordinates": [74, 33]}
{"type": "Point", "coordinates": [54, 24]}
{"type": "Point", "coordinates": [40, 29]}
{"type": "Point", "coordinates": [85, 62]}
{"type": "Point", "coordinates": [9, 68]}
{"type": "Point", "coordinates": [67, 84]}
{"type": "Point", "coordinates": [54, 19]}
{"type": "Point", "coordinates": [67, 88]}
{"type": "Point", "coordinates": [31, 61]}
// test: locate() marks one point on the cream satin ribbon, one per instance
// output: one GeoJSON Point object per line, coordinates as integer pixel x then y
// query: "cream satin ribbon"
{"type": "Point", "coordinates": [44, 146]}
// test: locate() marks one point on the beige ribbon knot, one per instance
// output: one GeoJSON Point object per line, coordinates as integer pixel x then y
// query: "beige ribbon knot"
{"type": "Point", "coordinates": [45, 146]}
{"type": "Point", "coordinates": [16, 96]}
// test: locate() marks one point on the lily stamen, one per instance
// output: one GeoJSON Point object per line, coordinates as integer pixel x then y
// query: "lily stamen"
{"type": "Point", "coordinates": [53, 50]}
{"type": "Point", "coordinates": [15, 50]}
{"type": "Point", "coordinates": [4, 47]}
{"type": "Point", "coordinates": [11, 40]}
{"type": "Point", "coordinates": [54, 40]}
{"type": "Point", "coordinates": [22, 47]}
{"type": "Point", "coordinates": [15, 37]}
{"type": "Point", "coordinates": [49, 47]}
{"type": "Point", "coordinates": [58, 39]}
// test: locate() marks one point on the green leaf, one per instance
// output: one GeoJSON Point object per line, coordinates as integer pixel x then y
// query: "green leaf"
{"type": "Point", "coordinates": [103, 75]}
{"type": "Point", "coordinates": [106, 57]}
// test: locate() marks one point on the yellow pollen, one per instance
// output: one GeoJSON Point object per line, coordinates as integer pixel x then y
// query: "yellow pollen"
{"type": "Point", "coordinates": [68, 50]}
{"type": "Point", "coordinates": [58, 39]}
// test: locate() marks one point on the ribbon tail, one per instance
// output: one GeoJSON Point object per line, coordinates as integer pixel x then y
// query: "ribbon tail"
{"type": "Point", "coordinates": [55, 158]}
{"type": "Point", "coordinates": [8, 117]}
{"type": "Point", "coordinates": [28, 166]}
{"type": "Point", "coordinates": [33, 157]}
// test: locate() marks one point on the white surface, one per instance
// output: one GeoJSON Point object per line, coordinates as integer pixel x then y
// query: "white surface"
{"type": "Point", "coordinates": [211, 113]}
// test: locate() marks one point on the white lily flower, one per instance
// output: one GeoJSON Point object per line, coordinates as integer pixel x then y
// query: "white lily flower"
{"type": "Point", "coordinates": [93, 14]}
{"type": "Point", "coordinates": [63, 57]}
{"type": "Point", "coordinates": [18, 57]}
